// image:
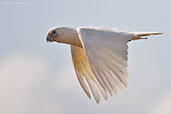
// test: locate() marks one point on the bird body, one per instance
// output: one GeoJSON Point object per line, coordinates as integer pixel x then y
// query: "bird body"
{"type": "Point", "coordinates": [99, 56]}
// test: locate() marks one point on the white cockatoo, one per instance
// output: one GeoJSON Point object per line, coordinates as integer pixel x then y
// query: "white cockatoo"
{"type": "Point", "coordinates": [99, 56]}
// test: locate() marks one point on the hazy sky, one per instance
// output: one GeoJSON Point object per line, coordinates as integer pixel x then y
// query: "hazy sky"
{"type": "Point", "coordinates": [38, 78]}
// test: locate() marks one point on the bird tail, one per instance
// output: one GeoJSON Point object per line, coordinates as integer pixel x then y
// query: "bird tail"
{"type": "Point", "coordinates": [141, 35]}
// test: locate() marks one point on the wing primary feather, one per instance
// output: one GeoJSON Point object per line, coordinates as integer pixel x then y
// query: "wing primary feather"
{"type": "Point", "coordinates": [104, 93]}
{"type": "Point", "coordinates": [112, 66]}
{"type": "Point", "coordinates": [93, 90]}
{"type": "Point", "coordinates": [116, 80]}
{"type": "Point", "coordinates": [78, 65]}
{"type": "Point", "coordinates": [97, 75]}
{"type": "Point", "coordinates": [111, 82]}
{"type": "Point", "coordinates": [107, 83]}
{"type": "Point", "coordinates": [83, 84]}
{"type": "Point", "coordinates": [119, 76]}
{"type": "Point", "coordinates": [115, 69]}
{"type": "Point", "coordinates": [119, 67]}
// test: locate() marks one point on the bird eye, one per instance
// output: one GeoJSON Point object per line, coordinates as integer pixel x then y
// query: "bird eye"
{"type": "Point", "coordinates": [54, 33]}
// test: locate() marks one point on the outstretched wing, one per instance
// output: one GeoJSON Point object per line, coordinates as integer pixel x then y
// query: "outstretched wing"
{"type": "Point", "coordinates": [85, 74]}
{"type": "Point", "coordinates": [106, 52]}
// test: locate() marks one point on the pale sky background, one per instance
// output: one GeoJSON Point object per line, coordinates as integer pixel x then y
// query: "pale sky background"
{"type": "Point", "coordinates": [38, 78]}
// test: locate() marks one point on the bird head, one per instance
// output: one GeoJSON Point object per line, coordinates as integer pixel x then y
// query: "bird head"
{"type": "Point", "coordinates": [67, 35]}
{"type": "Point", "coordinates": [52, 35]}
{"type": "Point", "coordinates": [61, 34]}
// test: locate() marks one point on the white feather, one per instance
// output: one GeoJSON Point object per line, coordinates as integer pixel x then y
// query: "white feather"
{"type": "Point", "coordinates": [106, 52]}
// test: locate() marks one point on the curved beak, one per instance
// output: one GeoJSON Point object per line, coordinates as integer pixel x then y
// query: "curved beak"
{"type": "Point", "coordinates": [49, 38]}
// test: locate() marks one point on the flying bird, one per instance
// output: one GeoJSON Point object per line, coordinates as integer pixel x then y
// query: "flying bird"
{"type": "Point", "coordinates": [99, 56]}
